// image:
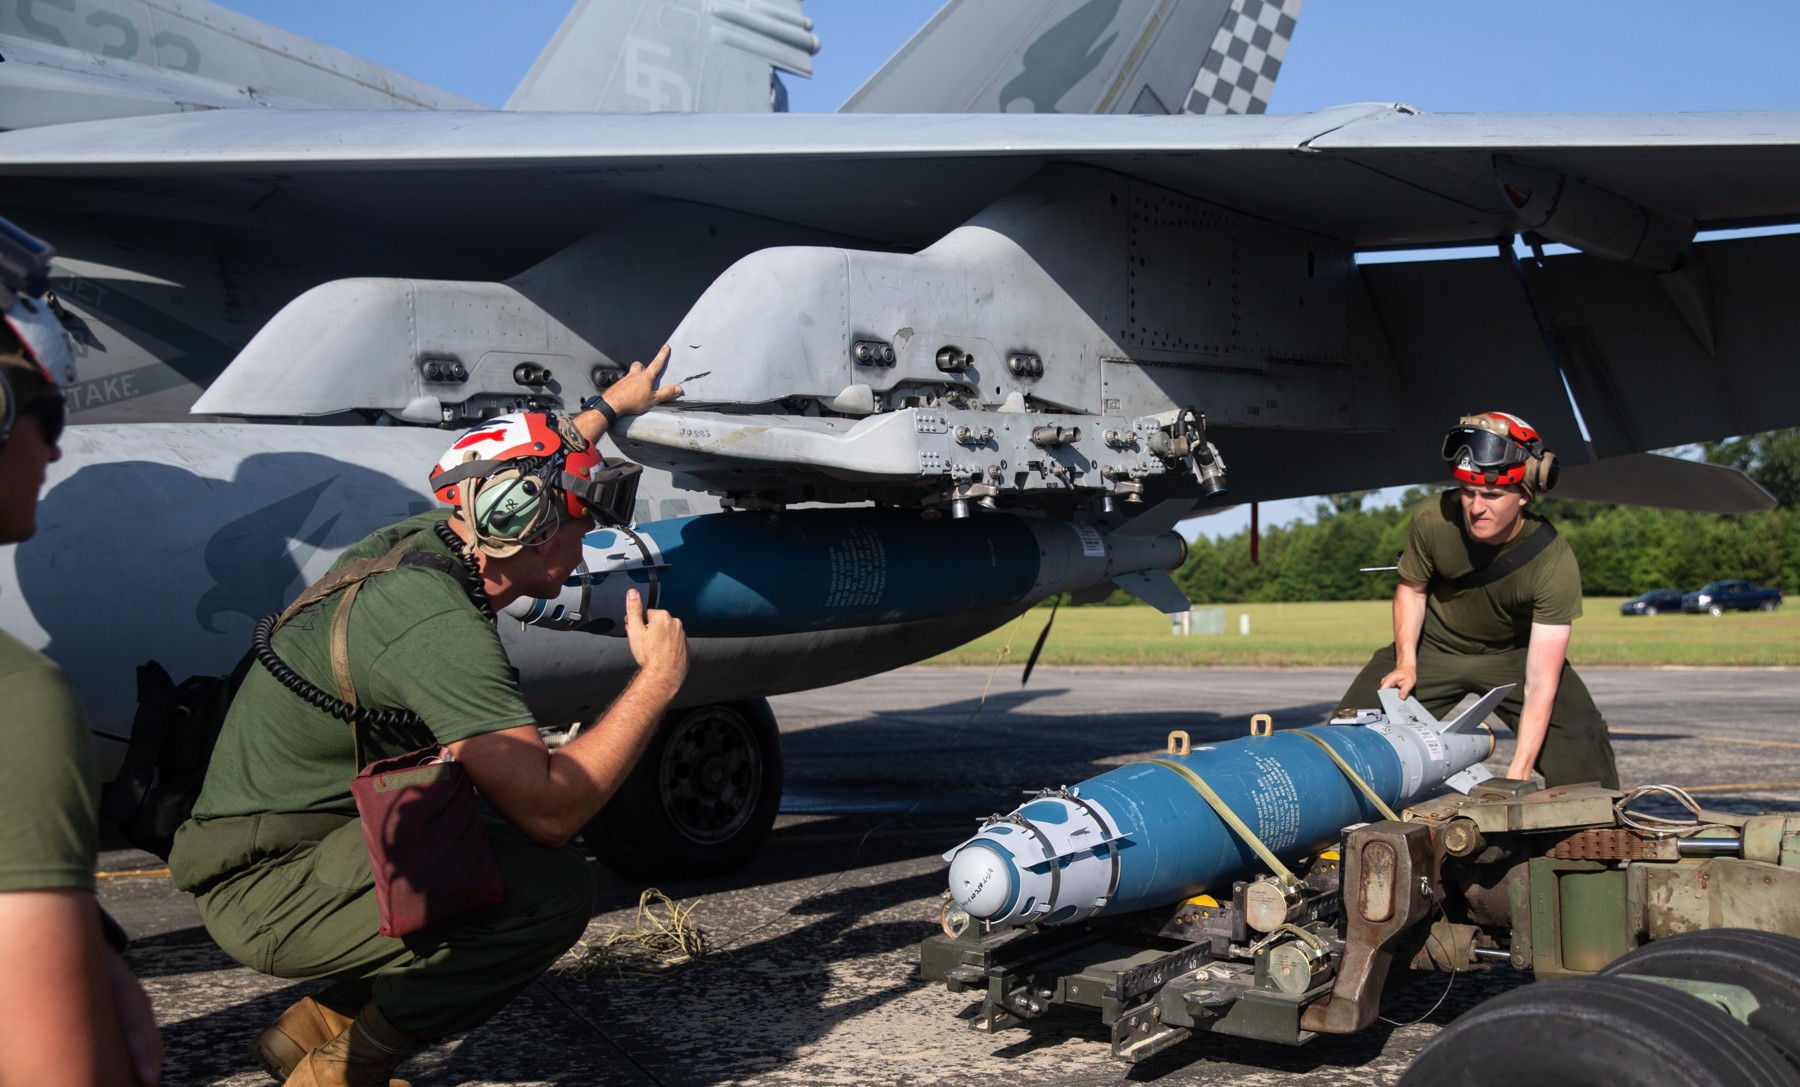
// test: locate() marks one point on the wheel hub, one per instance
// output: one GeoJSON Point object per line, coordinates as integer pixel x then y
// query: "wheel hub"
{"type": "Point", "coordinates": [711, 774]}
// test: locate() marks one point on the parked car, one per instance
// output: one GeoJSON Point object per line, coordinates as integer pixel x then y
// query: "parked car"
{"type": "Point", "coordinates": [1652, 602]}
{"type": "Point", "coordinates": [1736, 594]}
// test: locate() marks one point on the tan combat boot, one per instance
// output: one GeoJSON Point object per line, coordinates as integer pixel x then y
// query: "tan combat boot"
{"type": "Point", "coordinates": [360, 1055]}
{"type": "Point", "coordinates": [301, 1029]}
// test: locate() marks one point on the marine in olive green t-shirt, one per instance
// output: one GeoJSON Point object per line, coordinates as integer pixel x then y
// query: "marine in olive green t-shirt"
{"type": "Point", "coordinates": [1475, 639]}
{"type": "Point", "coordinates": [279, 864]}
{"type": "Point", "coordinates": [1492, 618]}
{"type": "Point", "coordinates": [48, 783]}
{"type": "Point", "coordinates": [416, 643]}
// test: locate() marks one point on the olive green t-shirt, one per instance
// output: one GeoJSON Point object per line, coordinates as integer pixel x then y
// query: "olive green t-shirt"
{"type": "Point", "coordinates": [49, 788]}
{"type": "Point", "coordinates": [1496, 617]}
{"type": "Point", "coordinates": [416, 643]}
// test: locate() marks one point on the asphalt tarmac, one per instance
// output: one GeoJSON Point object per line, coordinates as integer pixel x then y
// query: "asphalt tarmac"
{"type": "Point", "coordinates": [812, 977]}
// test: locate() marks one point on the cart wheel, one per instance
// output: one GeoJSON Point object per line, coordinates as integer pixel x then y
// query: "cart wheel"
{"type": "Point", "coordinates": [1765, 963]}
{"type": "Point", "coordinates": [1621, 1032]}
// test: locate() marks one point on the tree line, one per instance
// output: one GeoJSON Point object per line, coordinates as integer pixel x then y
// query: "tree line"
{"type": "Point", "coordinates": [1623, 550]}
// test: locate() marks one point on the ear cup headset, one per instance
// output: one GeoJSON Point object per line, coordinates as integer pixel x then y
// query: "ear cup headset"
{"type": "Point", "coordinates": [1495, 449]}
{"type": "Point", "coordinates": [516, 478]}
{"type": "Point", "coordinates": [511, 509]}
{"type": "Point", "coordinates": [1542, 473]}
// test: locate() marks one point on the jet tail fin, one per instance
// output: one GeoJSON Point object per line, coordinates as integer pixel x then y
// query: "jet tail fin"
{"type": "Point", "coordinates": [1087, 56]}
{"type": "Point", "coordinates": [650, 56]}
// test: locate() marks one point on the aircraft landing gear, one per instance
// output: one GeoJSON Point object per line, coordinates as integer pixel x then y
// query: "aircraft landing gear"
{"type": "Point", "coordinates": [701, 800]}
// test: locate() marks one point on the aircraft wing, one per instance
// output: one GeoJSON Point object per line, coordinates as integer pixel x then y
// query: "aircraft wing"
{"type": "Point", "coordinates": [1369, 176]}
{"type": "Point", "coordinates": [1156, 261]}
{"type": "Point", "coordinates": [1663, 482]}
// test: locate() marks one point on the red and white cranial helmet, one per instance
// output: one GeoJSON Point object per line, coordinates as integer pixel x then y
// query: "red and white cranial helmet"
{"type": "Point", "coordinates": [515, 478]}
{"type": "Point", "coordinates": [1492, 448]}
{"type": "Point", "coordinates": [26, 308]}
{"type": "Point", "coordinates": [485, 449]}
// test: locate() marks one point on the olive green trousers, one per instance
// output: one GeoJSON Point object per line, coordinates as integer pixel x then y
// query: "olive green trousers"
{"type": "Point", "coordinates": [306, 909]}
{"type": "Point", "coordinates": [1576, 747]}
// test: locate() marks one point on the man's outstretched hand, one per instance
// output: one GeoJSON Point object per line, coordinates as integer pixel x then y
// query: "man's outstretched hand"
{"type": "Point", "coordinates": [636, 392]}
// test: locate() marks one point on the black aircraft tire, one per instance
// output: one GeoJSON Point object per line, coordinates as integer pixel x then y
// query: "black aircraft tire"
{"type": "Point", "coordinates": [1617, 1032]}
{"type": "Point", "coordinates": [1765, 963]}
{"type": "Point", "coordinates": [701, 800]}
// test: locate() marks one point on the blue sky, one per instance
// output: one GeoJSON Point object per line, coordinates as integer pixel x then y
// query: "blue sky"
{"type": "Point", "coordinates": [1448, 55]}
{"type": "Point", "coordinates": [1440, 55]}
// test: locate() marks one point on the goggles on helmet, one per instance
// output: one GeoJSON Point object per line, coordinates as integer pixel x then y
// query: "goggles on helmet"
{"type": "Point", "coordinates": [1491, 449]}
{"type": "Point", "coordinates": [25, 304]}
{"type": "Point", "coordinates": [1482, 448]}
{"type": "Point", "coordinates": [606, 491]}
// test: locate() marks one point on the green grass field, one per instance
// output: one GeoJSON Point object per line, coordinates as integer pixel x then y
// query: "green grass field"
{"type": "Point", "coordinates": [1344, 633]}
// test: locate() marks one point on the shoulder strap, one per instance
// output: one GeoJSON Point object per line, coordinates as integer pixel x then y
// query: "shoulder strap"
{"type": "Point", "coordinates": [351, 573]}
{"type": "Point", "coordinates": [1531, 548]}
{"type": "Point", "coordinates": [340, 622]}
{"type": "Point", "coordinates": [349, 579]}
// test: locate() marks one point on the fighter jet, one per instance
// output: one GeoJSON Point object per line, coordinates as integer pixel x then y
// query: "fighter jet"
{"type": "Point", "coordinates": [1052, 266]}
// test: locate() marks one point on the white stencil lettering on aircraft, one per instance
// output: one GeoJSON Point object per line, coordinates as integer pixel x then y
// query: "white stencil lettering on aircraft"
{"type": "Point", "coordinates": [662, 87]}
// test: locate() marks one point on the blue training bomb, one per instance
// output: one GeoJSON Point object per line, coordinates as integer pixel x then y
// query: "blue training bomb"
{"type": "Point", "coordinates": [731, 575]}
{"type": "Point", "coordinates": [1143, 835]}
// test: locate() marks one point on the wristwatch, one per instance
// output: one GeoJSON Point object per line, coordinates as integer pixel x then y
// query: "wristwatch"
{"type": "Point", "coordinates": [598, 403]}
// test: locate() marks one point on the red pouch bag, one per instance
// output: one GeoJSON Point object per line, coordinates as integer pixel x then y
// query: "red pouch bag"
{"type": "Point", "coordinates": [428, 848]}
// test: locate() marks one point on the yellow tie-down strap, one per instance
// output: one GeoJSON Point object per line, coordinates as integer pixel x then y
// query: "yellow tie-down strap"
{"type": "Point", "coordinates": [1355, 778]}
{"type": "Point", "coordinates": [1238, 826]}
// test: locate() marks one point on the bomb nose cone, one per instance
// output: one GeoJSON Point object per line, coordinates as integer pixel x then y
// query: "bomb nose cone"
{"type": "Point", "coordinates": [983, 881]}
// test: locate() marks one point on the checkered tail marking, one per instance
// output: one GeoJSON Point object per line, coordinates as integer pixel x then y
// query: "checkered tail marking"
{"type": "Point", "coordinates": [1238, 74]}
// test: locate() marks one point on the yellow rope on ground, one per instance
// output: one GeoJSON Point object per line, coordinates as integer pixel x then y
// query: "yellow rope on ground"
{"type": "Point", "coordinates": [663, 936]}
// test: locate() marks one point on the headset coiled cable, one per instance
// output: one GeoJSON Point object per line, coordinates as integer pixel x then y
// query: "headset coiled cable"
{"type": "Point", "coordinates": [472, 583]}
{"type": "Point", "coordinates": [262, 646]}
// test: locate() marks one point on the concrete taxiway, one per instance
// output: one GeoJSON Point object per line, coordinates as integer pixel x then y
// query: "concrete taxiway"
{"type": "Point", "coordinates": [812, 976]}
